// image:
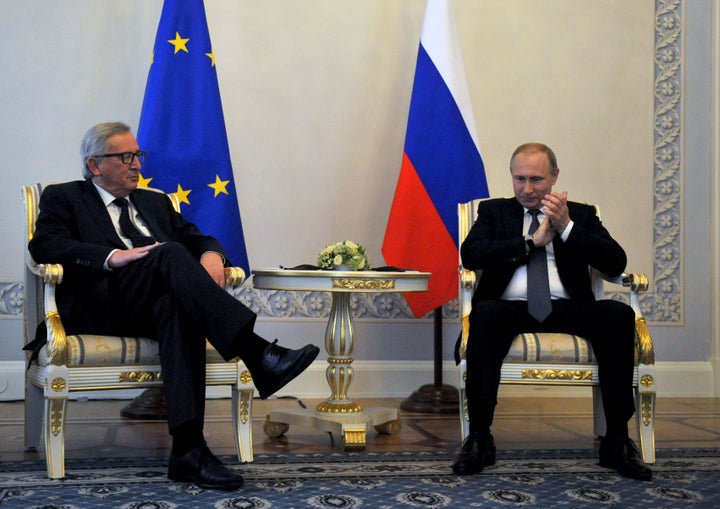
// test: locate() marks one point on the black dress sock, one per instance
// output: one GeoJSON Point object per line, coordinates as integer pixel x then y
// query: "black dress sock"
{"type": "Point", "coordinates": [617, 430]}
{"type": "Point", "coordinates": [253, 349]}
{"type": "Point", "coordinates": [187, 437]}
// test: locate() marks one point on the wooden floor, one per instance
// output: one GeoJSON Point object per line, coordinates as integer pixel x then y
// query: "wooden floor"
{"type": "Point", "coordinates": [95, 428]}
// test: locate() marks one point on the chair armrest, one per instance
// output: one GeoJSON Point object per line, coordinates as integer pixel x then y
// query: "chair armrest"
{"type": "Point", "coordinates": [51, 275]}
{"type": "Point", "coordinates": [468, 279]}
{"type": "Point", "coordinates": [636, 282]}
{"type": "Point", "coordinates": [643, 340]}
{"type": "Point", "coordinates": [468, 282]}
{"type": "Point", "coordinates": [234, 276]}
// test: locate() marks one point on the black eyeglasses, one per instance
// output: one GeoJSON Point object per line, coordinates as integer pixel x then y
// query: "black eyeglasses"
{"type": "Point", "coordinates": [126, 157]}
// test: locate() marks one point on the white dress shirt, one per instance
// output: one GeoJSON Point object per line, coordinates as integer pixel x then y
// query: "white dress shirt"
{"type": "Point", "coordinates": [114, 212]}
{"type": "Point", "coordinates": [517, 288]}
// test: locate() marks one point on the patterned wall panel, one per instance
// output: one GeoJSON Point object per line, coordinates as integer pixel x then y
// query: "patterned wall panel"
{"type": "Point", "coordinates": [665, 305]}
{"type": "Point", "coordinates": [11, 299]}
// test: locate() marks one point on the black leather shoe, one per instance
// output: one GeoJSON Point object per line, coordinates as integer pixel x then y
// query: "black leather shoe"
{"type": "Point", "coordinates": [279, 366]}
{"type": "Point", "coordinates": [202, 468]}
{"type": "Point", "coordinates": [478, 451]}
{"type": "Point", "coordinates": [622, 455]}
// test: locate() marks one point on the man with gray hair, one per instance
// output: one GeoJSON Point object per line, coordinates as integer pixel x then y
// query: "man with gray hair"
{"type": "Point", "coordinates": [134, 266]}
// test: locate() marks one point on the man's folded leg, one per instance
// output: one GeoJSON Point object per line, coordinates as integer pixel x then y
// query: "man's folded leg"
{"type": "Point", "coordinates": [225, 321]}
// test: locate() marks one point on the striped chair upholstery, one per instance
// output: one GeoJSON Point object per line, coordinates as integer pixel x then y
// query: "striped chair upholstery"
{"type": "Point", "coordinates": [548, 347]}
{"type": "Point", "coordinates": [94, 350]}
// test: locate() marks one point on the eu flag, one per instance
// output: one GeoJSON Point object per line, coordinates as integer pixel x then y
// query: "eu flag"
{"type": "Point", "coordinates": [182, 127]}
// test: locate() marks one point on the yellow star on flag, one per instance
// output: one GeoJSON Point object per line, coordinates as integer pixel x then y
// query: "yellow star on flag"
{"type": "Point", "coordinates": [182, 194]}
{"type": "Point", "coordinates": [144, 182]}
{"type": "Point", "coordinates": [211, 56]}
{"type": "Point", "coordinates": [220, 186]}
{"type": "Point", "coordinates": [179, 43]}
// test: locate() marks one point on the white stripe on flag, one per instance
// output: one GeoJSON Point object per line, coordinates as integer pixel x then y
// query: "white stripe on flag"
{"type": "Point", "coordinates": [442, 44]}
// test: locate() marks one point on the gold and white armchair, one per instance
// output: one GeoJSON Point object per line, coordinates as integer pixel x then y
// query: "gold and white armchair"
{"type": "Point", "coordinates": [563, 359]}
{"type": "Point", "coordinates": [86, 362]}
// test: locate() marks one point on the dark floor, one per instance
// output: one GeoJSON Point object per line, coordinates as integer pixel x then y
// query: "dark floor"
{"type": "Point", "coordinates": [95, 428]}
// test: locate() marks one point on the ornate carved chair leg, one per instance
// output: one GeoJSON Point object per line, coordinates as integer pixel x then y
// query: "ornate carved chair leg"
{"type": "Point", "coordinates": [56, 395]}
{"type": "Point", "coordinates": [242, 400]}
{"type": "Point", "coordinates": [645, 415]}
{"type": "Point", "coordinates": [464, 418]}
{"type": "Point", "coordinates": [55, 436]}
{"type": "Point", "coordinates": [54, 432]}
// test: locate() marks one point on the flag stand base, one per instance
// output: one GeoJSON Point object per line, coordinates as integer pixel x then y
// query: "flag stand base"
{"type": "Point", "coordinates": [149, 405]}
{"type": "Point", "coordinates": [433, 399]}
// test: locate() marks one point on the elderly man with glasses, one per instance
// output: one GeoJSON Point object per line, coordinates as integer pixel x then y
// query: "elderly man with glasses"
{"type": "Point", "coordinates": [134, 266]}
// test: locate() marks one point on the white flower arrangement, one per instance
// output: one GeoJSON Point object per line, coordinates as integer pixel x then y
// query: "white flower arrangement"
{"type": "Point", "coordinates": [344, 254]}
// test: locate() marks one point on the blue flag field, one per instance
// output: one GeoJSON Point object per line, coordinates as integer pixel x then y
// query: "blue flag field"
{"type": "Point", "coordinates": [182, 128]}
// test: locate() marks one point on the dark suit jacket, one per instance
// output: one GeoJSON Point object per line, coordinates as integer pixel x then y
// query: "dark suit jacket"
{"type": "Point", "coordinates": [74, 229]}
{"type": "Point", "coordinates": [495, 244]}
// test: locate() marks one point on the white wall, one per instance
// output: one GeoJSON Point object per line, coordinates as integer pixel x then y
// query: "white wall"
{"type": "Point", "coordinates": [316, 94]}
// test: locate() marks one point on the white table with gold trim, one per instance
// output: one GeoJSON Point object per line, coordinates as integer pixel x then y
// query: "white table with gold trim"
{"type": "Point", "coordinates": [339, 414]}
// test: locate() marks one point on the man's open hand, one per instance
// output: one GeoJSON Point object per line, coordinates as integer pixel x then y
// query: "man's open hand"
{"type": "Point", "coordinates": [122, 257]}
{"type": "Point", "coordinates": [556, 209]}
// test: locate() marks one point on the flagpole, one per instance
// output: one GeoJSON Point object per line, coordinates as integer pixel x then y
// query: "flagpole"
{"type": "Point", "coordinates": [182, 114]}
{"type": "Point", "coordinates": [435, 398]}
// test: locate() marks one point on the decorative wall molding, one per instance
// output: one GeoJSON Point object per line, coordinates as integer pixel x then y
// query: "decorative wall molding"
{"type": "Point", "coordinates": [11, 299]}
{"type": "Point", "coordinates": [666, 304]}
{"type": "Point", "coordinates": [307, 304]}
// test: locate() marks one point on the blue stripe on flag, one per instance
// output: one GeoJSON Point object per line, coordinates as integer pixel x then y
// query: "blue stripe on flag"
{"type": "Point", "coordinates": [440, 146]}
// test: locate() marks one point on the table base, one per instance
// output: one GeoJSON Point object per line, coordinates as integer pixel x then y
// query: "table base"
{"type": "Point", "coordinates": [352, 427]}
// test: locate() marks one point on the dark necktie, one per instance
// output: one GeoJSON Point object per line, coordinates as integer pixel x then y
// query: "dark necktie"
{"type": "Point", "coordinates": [128, 228]}
{"type": "Point", "coordinates": [538, 284]}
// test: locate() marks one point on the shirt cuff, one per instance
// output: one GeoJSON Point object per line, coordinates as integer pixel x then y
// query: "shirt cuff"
{"type": "Point", "coordinates": [566, 233]}
{"type": "Point", "coordinates": [106, 265]}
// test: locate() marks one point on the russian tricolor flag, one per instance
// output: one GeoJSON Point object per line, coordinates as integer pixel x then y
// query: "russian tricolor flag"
{"type": "Point", "coordinates": [441, 164]}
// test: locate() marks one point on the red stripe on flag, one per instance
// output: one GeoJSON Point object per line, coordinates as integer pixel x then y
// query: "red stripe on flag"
{"type": "Point", "coordinates": [416, 238]}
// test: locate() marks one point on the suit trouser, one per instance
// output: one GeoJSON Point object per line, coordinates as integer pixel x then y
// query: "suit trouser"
{"type": "Point", "coordinates": [609, 326]}
{"type": "Point", "coordinates": [170, 297]}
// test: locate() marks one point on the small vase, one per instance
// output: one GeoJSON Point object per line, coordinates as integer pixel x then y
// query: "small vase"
{"type": "Point", "coordinates": [342, 267]}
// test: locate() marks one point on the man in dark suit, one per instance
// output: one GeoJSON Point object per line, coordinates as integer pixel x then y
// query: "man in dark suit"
{"type": "Point", "coordinates": [504, 244]}
{"type": "Point", "coordinates": [159, 277]}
